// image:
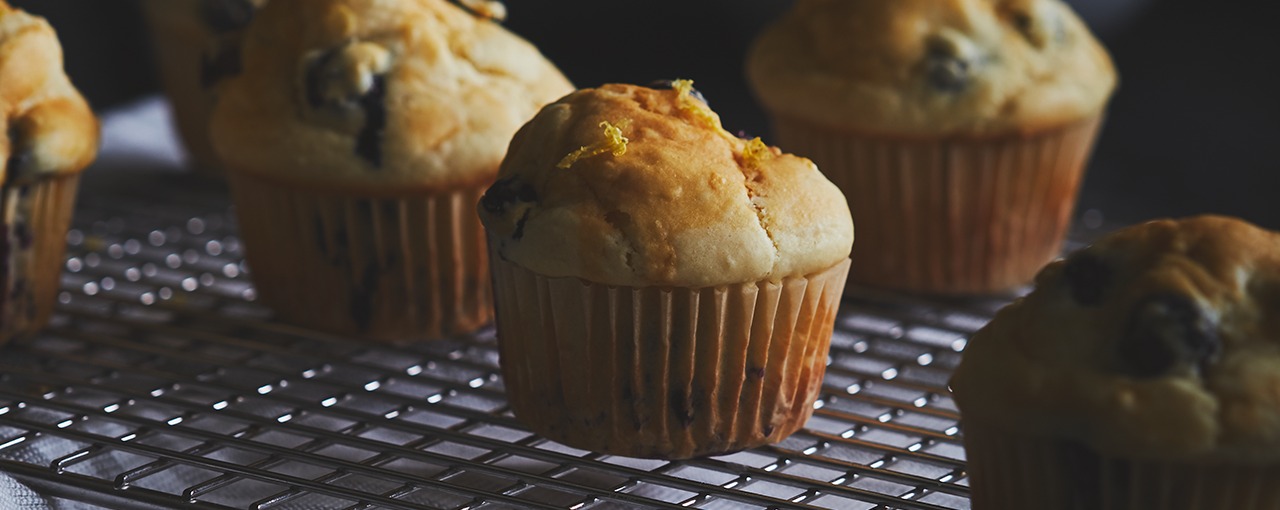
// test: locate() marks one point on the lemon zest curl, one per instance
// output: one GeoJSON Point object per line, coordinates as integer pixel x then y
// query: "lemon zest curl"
{"type": "Point", "coordinates": [613, 142]}
{"type": "Point", "coordinates": [756, 154]}
{"type": "Point", "coordinates": [698, 109]}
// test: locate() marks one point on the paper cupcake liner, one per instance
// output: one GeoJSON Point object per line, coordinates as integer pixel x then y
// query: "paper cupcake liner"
{"type": "Point", "coordinates": [1009, 471]}
{"type": "Point", "coordinates": [33, 241]}
{"type": "Point", "coordinates": [389, 269]}
{"type": "Point", "coordinates": [180, 42]}
{"type": "Point", "coordinates": [956, 215]}
{"type": "Point", "coordinates": [663, 372]}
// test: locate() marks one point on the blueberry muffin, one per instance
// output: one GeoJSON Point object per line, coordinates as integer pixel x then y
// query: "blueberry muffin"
{"type": "Point", "coordinates": [1143, 372]}
{"type": "Point", "coordinates": [958, 129]}
{"type": "Point", "coordinates": [358, 139]}
{"type": "Point", "coordinates": [664, 289]}
{"type": "Point", "coordinates": [197, 42]}
{"type": "Point", "coordinates": [51, 136]}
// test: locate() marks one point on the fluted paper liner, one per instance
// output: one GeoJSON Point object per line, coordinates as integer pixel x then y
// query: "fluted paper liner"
{"type": "Point", "coordinates": [33, 241]}
{"type": "Point", "coordinates": [664, 372]}
{"type": "Point", "coordinates": [388, 269]}
{"type": "Point", "coordinates": [1012, 471]}
{"type": "Point", "coordinates": [952, 215]}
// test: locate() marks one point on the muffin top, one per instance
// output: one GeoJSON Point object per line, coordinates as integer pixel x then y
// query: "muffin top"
{"type": "Point", "coordinates": [49, 128]}
{"type": "Point", "coordinates": [1160, 341]}
{"type": "Point", "coordinates": [928, 68]}
{"type": "Point", "coordinates": [630, 186]}
{"type": "Point", "coordinates": [378, 96]}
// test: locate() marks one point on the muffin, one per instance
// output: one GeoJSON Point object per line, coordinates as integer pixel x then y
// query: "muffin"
{"type": "Point", "coordinates": [958, 129]}
{"type": "Point", "coordinates": [196, 42]}
{"type": "Point", "coordinates": [664, 289]}
{"type": "Point", "coordinates": [1143, 372]}
{"type": "Point", "coordinates": [51, 136]}
{"type": "Point", "coordinates": [358, 140]}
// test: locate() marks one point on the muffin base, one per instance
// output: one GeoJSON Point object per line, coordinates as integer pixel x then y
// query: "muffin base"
{"type": "Point", "coordinates": [33, 242]}
{"type": "Point", "coordinates": [663, 372]}
{"type": "Point", "coordinates": [953, 216]}
{"type": "Point", "coordinates": [386, 269]}
{"type": "Point", "coordinates": [1011, 471]}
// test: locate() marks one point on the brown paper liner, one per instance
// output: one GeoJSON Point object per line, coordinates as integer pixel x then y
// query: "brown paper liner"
{"type": "Point", "coordinates": [1010, 471]}
{"type": "Point", "coordinates": [388, 269]}
{"type": "Point", "coordinates": [956, 215]}
{"type": "Point", "coordinates": [33, 241]}
{"type": "Point", "coordinates": [663, 373]}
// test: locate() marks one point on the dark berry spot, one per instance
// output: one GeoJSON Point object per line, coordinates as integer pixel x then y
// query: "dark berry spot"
{"type": "Point", "coordinates": [946, 73]}
{"type": "Point", "coordinates": [768, 431]}
{"type": "Point", "coordinates": [618, 219]}
{"type": "Point", "coordinates": [519, 233]}
{"type": "Point", "coordinates": [222, 16]}
{"type": "Point", "coordinates": [1167, 330]}
{"type": "Point", "coordinates": [219, 64]}
{"type": "Point", "coordinates": [24, 235]}
{"type": "Point", "coordinates": [667, 84]}
{"type": "Point", "coordinates": [504, 193]}
{"type": "Point", "coordinates": [1088, 277]}
{"type": "Point", "coordinates": [744, 135]}
{"type": "Point", "coordinates": [317, 77]}
{"type": "Point", "coordinates": [756, 373]}
{"type": "Point", "coordinates": [369, 141]}
{"type": "Point", "coordinates": [1023, 22]}
{"type": "Point", "coordinates": [681, 408]}
{"type": "Point", "coordinates": [21, 155]}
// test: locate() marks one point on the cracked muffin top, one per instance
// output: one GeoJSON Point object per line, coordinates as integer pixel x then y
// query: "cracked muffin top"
{"type": "Point", "coordinates": [931, 67]}
{"type": "Point", "coordinates": [631, 186]}
{"type": "Point", "coordinates": [380, 96]}
{"type": "Point", "coordinates": [48, 126]}
{"type": "Point", "coordinates": [1159, 341]}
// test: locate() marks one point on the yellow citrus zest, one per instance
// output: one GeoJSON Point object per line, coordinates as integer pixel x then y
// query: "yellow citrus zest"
{"type": "Point", "coordinates": [756, 154]}
{"type": "Point", "coordinates": [613, 142]}
{"type": "Point", "coordinates": [694, 106]}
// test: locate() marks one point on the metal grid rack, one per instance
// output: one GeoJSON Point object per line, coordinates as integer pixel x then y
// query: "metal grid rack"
{"type": "Point", "coordinates": [160, 384]}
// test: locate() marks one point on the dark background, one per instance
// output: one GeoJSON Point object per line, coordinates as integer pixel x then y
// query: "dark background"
{"type": "Point", "coordinates": [1190, 130]}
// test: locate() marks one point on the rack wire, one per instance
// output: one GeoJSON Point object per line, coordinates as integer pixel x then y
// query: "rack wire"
{"type": "Point", "coordinates": [160, 383]}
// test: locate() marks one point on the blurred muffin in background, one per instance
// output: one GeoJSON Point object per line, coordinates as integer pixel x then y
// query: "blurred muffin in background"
{"type": "Point", "coordinates": [958, 129]}
{"type": "Point", "coordinates": [357, 140]}
{"type": "Point", "coordinates": [51, 136]}
{"type": "Point", "coordinates": [664, 288]}
{"type": "Point", "coordinates": [1142, 373]}
{"type": "Point", "coordinates": [196, 43]}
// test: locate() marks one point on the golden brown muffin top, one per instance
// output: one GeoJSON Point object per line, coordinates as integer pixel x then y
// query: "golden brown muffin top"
{"type": "Point", "coordinates": [378, 96]}
{"type": "Point", "coordinates": [926, 68]}
{"type": "Point", "coordinates": [625, 185]}
{"type": "Point", "coordinates": [48, 126]}
{"type": "Point", "coordinates": [1160, 341]}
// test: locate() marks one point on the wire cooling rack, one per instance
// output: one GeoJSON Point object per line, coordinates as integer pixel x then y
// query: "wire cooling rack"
{"type": "Point", "coordinates": [160, 383]}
